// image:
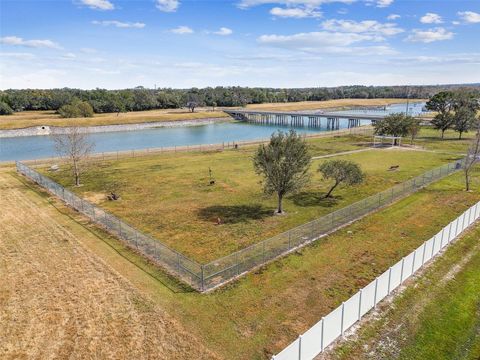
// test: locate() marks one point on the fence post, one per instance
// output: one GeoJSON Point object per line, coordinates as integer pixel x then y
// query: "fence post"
{"type": "Point", "coordinates": [299, 347]}
{"type": "Point", "coordinates": [423, 252]}
{"type": "Point", "coordinates": [203, 278]}
{"type": "Point", "coordinates": [375, 294]}
{"type": "Point", "coordinates": [450, 233]}
{"type": "Point", "coordinates": [343, 317]}
{"type": "Point", "coordinates": [433, 246]}
{"type": "Point", "coordinates": [389, 280]}
{"type": "Point", "coordinates": [401, 271]}
{"type": "Point", "coordinates": [456, 226]}
{"type": "Point", "coordinates": [413, 261]}
{"type": "Point", "coordinates": [322, 345]}
{"type": "Point", "coordinates": [360, 305]}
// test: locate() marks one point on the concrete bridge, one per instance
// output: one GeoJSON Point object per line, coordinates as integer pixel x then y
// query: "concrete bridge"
{"type": "Point", "coordinates": [329, 120]}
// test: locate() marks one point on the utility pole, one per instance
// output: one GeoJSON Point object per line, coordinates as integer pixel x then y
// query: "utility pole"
{"type": "Point", "coordinates": [408, 98]}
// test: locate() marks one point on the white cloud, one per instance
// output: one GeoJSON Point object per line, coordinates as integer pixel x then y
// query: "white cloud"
{"type": "Point", "coordinates": [18, 41]}
{"type": "Point", "coordinates": [430, 35]}
{"type": "Point", "coordinates": [20, 56]}
{"type": "Point", "coordinates": [380, 3]}
{"type": "Point", "coordinates": [298, 13]}
{"type": "Point", "coordinates": [326, 42]}
{"type": "Point", "coordinates": [294, 3]}
{"type": "Point", "coordinates": [182, 30]}
{"type": "Point", "coordinates": [393, 17]}
{"type": "Point", "coordinates": [469, 17]}
{"type": "Point", "coordinates": [119, 24]}
{"type": "Point", "coordinates": [68, 56]}
{"type": "Point", "coordinates": [223, 31]}
{"type": "Point", "coordinates": [167, 5]}
{"type": "Point", "coordinates": [98, 4]}
{"type": "Point", "coordinates": [431, 18]}
{"type": "Point", "coordinates": [367, 26]}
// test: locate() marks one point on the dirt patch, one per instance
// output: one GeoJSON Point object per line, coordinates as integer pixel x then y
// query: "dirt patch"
{"type": "Point", "coordinates": [58, 300]}
{"type": "Point", "coordinates": [95, 198]}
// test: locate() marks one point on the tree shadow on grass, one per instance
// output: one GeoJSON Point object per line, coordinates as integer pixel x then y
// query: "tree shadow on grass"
{"type": "Point", "coordinates": [235, 213]}
{"type": "Point", "coordinates": [314, 198]}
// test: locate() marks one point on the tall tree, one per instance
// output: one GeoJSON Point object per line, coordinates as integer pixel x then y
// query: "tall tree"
{"type": "Point", "coordinates": [284, 164]}
{"type": "Point", "coordinates": [342, 172]}
{"type": "Point", "coordinates": [442, 104]}
{"type": "Point", "coordinates": [464, 119]}
{"type": "Point", "coordinates": [465, 105]}
{"type": "Point", "coordinates": [473, 155]}
{"type": "Point", "coordinates": [414, 128]}
{"type": "Point", "coordinates": [75, 145]}
{"type": "Point", "coordinates": [394, 125]}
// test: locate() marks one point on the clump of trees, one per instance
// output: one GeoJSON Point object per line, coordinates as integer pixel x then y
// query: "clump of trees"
{"type": "Point", "coordinates": [284, 164]}
{"type": "Point", "coordinates": [76, 109]}
{"type": "Point", "coordinates": [455, 110]}
{"type": "Point", "coordinates": [5, 109]}
{"type": "Point", "coordinates": [473, 155]}
{"type": "Point", "coordinates": [397, 125]}
{"type": "Point", "coordinates": [341, 172]}
{"type": "Point", "coordinates": [75, 145]}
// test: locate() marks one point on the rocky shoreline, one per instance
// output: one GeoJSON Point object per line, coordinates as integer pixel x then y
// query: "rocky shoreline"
{"type": "Point", "coordinates": [49, 130]}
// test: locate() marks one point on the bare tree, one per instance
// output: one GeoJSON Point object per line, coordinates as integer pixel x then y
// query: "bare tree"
{"type": "Point", "coordinates": [473, 156]}
{"type": "Point", "coordinates": [75, 145]}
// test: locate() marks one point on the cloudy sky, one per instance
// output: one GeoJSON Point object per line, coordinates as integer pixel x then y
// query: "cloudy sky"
{"type": "Point", "coordinates": [278, 43]}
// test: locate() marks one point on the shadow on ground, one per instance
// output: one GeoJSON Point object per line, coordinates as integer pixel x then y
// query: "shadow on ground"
{"type": "Point", "coordinates": [235, 213]}
{"type": "Point", "coordinates": [314, 198]}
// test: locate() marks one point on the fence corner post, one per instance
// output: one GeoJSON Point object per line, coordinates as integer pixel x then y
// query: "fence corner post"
{"type": "Point", "coordinates": [299, 347]}
{"type": "Point", "coordinates": [322, 345]}
{"type": "Point", "coordinates": [203, 277]}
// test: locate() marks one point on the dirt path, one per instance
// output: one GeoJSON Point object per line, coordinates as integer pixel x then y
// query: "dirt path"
{"type": "Point", "coordinates": [58, 300]}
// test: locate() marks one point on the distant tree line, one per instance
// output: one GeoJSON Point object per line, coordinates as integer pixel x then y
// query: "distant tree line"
{"type": "Point", "coordinates": [137, 99]}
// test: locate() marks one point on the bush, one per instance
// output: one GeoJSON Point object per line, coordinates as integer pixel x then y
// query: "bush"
{"type": "Point", "coordinates": [76, 109]}
{"type": "Point", "coordinates": [5, 109]}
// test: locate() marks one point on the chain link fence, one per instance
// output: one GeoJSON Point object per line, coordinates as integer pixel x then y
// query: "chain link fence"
{"type": "Point", "coordinates": [220, 271]}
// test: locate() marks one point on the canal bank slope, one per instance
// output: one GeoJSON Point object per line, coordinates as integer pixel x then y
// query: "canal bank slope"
{"type": "Point", "coordinates": [48, 130]}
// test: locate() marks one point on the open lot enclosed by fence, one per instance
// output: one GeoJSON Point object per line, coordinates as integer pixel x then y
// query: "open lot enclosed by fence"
{"type": "Point", "coordinates": [218, 272]}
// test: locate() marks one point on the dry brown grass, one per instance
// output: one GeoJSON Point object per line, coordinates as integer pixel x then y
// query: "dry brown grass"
{"type": "Point", "coordinates": [49, 118]}
{"type": "Point", "coordinates": [58, 300]}
{"type": "Point", "coordinates": [313, 105]}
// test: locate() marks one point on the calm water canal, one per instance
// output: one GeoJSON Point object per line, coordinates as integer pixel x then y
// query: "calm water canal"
{"type": "Point", "coordinates": [37, 147]}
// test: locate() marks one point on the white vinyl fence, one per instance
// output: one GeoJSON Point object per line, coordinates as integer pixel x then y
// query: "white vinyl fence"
{"type": "Point", "coordinates": [330, 327]}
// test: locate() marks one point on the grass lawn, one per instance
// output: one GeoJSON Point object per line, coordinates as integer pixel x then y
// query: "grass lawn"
{"type": "Point", "coordinates": [169, 195]}
{"type": "Point", "coordinates": [437, 318]}
{"type": "Point", "coordinates": [262, 312]}
{"type": "Point", "coordinates": [431, 139]}
{"type": "Point", "coordinates": [49, 118]}
{"type": "Point", "coordinates": [327, 104]}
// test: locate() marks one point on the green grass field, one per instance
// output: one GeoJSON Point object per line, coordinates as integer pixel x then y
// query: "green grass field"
{"type": "Point", "coordinates": [169, 196]}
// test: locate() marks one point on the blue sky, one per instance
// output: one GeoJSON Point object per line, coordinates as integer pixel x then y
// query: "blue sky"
{"type": "Point", "coordinates": [284, 43]}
